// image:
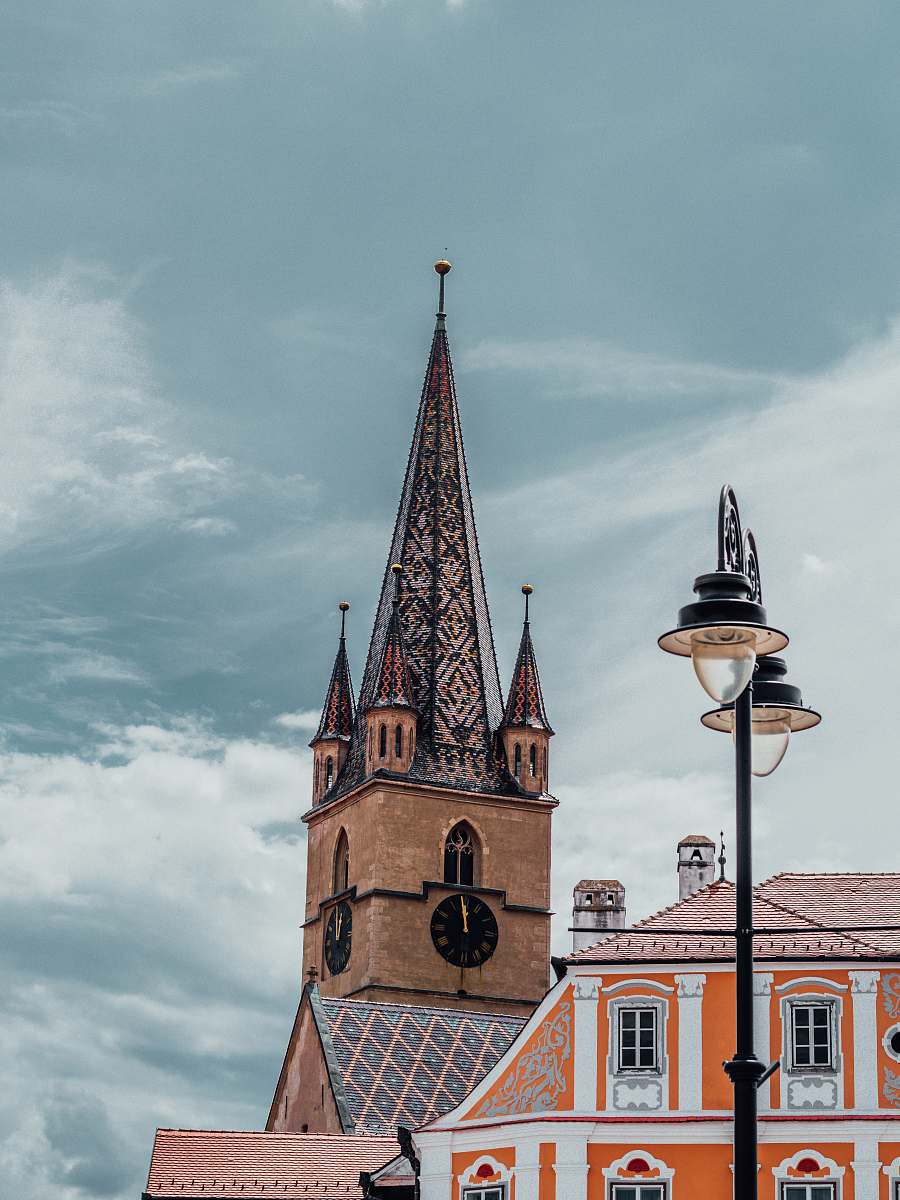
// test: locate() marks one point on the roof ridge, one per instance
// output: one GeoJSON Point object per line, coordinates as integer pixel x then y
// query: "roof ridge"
{"type": "Point", "coordinates": [472, 1012]}
{"type": "Point", "coordinates": [270, 1133]}
{"type": "Point", "coordinates": [716, 883]}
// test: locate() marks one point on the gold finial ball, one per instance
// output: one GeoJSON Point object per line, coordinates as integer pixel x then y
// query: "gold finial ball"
{"type": "Point", "coordinates": [442, 267]}
{"type": "Point", "coordinates": [344, 606]}
{"type": "Point", "coordinates": [396, 568]}
{"type": "Point", "coordinates": [527, 589]}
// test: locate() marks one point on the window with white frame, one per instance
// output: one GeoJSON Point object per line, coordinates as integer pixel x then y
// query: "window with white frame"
{"type": "Point", "coordinates": [496, 1192]}
{"type": "Point", "coordinates": [638, 1191]}
{"type": "Point", "coordinates": [812, 1040]}
{"type": "Point", "coordinates": [637, 1039]}
{"type": "Point", "coordinates": [808, 1191]}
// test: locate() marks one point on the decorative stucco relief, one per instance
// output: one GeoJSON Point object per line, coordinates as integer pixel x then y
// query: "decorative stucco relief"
{"type": "Point", "coordinates": [890, 994]}
{"type": "Point", "coordinates": [538, 1079]}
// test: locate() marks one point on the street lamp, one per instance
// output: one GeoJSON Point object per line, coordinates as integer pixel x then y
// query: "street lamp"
{"type": "Point", "coordinates": [727, 635]}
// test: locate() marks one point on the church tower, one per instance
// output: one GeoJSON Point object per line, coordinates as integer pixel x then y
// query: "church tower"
{"type": "Point", "coordinates": [428, 870]}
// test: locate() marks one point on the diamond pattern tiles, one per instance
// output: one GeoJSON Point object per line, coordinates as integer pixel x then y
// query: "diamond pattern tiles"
{"type": "Point", "coordinates": [442, 608]}
{"type": "Point", "coordinates": [338, 711]}
{"type": "Point", "coordinates": [393, 689]}
{"type": "Point", "coordinates": [404, 1065]}
{"type": "Point", "coordinates": [525, 704]}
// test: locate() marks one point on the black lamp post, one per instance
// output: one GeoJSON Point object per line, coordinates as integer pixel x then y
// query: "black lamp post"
{"type": "Point", "coordinates": [726, 634]}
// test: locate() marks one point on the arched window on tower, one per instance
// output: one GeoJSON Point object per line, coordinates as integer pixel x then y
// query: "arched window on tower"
{"type": "Point", "coordinates": [532, 760]}
{"type": "Point", "coordinates": [341, 880]}
{"type": "Point", "coordinates": [517, 769]}
{"type": "Point", "coordinates": [398, 741]}
{"type": "Point", "coordinates": [382, 742]}
{"type": "Point", "coordinates": [329, 772]}
{"type": "Point", "coordinates": [460, 853]}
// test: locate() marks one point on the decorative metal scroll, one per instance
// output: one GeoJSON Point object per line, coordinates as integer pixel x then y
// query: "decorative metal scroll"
{"type": "Point", "coordinates": [751, 567]}
{"type": "Point", "coordinates": [731, 546]}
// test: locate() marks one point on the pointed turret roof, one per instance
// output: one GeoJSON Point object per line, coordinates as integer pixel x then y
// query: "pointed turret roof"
{"type": "Point", "coordinates": [525, 703]}
{"type": "Point", "coordinates": [443, 612]}
{"type": "Point", "coordinates": [338, 712]}
{"type": "Point", "coordinates": [393, 688]}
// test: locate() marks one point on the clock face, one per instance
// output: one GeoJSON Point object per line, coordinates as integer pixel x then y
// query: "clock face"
{"type": "Point", "coordinates": [338, 936]}
{"type": "Point", "coordinates": [464, 931]}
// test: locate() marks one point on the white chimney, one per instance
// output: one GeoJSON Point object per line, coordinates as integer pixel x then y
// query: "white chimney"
{"type": "Point", "coordinates": [696, 864]}
{"type": "Point", "coordinates": [598, 910]}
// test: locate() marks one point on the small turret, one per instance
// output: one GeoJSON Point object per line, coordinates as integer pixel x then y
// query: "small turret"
{"type": "Point", "coordinates": [391, 717]}
{"type": "Point", "coordinates": [525, 730]}
{"type": "Point", "coordinates": [696, 864]}
{"type": "Point", "coordinates": [332, 738]}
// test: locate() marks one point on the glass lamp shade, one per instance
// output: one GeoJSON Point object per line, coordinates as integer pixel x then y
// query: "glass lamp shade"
{"type": "Point", "coordinates": [770, 735]}
{"type": "Point", "coordinates": [724, 657]}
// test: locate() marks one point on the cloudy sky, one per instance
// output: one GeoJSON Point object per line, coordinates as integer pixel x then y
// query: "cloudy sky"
{"type": "Point", "coordinates": [674, 230]}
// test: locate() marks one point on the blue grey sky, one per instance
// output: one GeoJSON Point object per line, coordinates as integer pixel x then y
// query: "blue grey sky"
{"type": "Point", "coordinates": [674, 231]}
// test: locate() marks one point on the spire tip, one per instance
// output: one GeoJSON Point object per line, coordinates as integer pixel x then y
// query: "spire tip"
{"type": "Point", "coordinates": [443, 268]}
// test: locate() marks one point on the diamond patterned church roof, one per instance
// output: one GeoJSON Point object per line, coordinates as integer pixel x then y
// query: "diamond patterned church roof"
{"type": "Point", "coordinates": [442, 611]}
{"type": "Point", "coordinates": [404, 1065]}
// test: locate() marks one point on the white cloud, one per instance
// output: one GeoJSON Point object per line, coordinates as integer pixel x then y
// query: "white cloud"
{"type": "Point", "coordinates": [189, 75]}
{"type": "Point", "coordinates": [58, 116]}
{"type": "Point", "coordinates": [308, 720]}
{"type": "Point", "coordinates": [89, 450]}
{"type": "Point", "coordinates": [149, 949]}
{"type": "Point", "coordinates": [209, 526]}
{"type": "Point", "coordinates": [584, 367]}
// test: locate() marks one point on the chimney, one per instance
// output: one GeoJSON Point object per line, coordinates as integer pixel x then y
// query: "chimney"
{"type": "Point", "coordinates": [598, 910]}
{"type": "Point", "coordinates": [696, 864]}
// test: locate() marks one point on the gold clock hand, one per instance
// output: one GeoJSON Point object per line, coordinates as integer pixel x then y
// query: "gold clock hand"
{"type": "Point", "coordinates": [338, 930]}
{"type": "Point", "coordinates": [465, 914]}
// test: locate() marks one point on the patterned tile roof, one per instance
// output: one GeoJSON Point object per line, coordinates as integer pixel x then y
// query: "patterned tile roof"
{"type": "Point", "coordinates": [401, 1064]}
{"type": "Point", "coordinates": [443, 609]}
{"type": "Point", "coordinates": [525, 703]}
{"type": "Point", "coordinates": [193, 1163]}
{"type": "Point", "coordinates": [805, 904]}
{"type": "Point", "coordinates": [338, 712]}
{"type": "Point", "coordinates": [393, 688]}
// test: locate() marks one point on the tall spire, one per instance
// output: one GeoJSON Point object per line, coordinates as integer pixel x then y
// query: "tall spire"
{"type": "Point", "coordinates": [338, 712]}
{"type": "Point", "coordinates": [525, 702]}
{"type": "Point", "coordinates": [442, 610]}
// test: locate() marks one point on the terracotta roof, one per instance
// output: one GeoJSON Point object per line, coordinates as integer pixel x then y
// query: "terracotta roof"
{"type": "Point", "coordinates": [393, 688]}
{"type": "Point", "coordinates": [192, 1163]}
{"type": "Point", "coordinates": [401, 1064]}
{"type": "Point", "coordinates": [596, 885]}
{"type": "Point", "coordinates": [443, 610]}
{"type": "Point", "coordinates": [809, 903]}
{"type": "Point", "coordinates": [338, 711]}
{"type": "Point", "coordinates": [525, 702]}
{"type": "Point", "coordinates": [696, 839]}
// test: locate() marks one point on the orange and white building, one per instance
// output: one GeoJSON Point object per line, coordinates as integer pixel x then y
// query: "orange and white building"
{"type": "Point", "coordinates": [614, 1089]}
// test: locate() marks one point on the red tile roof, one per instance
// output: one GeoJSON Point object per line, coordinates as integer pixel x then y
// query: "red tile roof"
{"type": "Point", "coordinates": [192, 1163]}
{"type": "Point", "coordinates": [806, 904]}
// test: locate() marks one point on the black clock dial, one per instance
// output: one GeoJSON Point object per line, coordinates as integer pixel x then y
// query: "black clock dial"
{"type": "Point", "coordinates": [464, 930]}
{"type": "Point", "coordinates": [338, 936]}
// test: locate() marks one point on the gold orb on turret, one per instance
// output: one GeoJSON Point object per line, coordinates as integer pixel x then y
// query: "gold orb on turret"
{"type": "Point", "coordinates": [344, 606]}
{"type": "Point", "coordinates": [527, 589]}
{"type": "Point", "coordinates": [442, 266]}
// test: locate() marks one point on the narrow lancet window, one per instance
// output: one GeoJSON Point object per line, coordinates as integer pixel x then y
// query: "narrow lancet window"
{"type": "Point", "coordinates": [341, 864]}
{"type": "Point", "coordinates": [459, 855]}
